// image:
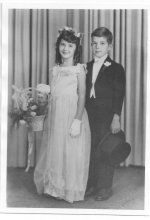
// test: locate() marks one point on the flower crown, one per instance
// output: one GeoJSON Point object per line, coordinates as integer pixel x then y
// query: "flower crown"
{"type": "Point", "coordinates": [75, 33]}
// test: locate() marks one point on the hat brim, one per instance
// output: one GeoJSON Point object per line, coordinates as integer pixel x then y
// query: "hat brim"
{"type": "Point", "coordinates": [120, 153]}
{"type": "Point", "coordinates": [114, 147]}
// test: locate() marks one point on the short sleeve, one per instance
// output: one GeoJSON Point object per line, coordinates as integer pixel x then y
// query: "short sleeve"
{"type": "Point", "coordinates": [82, 68]}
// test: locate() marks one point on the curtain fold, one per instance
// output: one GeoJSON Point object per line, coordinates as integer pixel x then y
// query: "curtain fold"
{"type": "Point", "coordinates": [38, 46]}
{"type": "Point", "coordinates": [32, 37]}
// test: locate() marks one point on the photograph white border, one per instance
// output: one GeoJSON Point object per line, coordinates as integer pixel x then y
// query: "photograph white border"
{"type": "Point", "coordinates": [6, 5]}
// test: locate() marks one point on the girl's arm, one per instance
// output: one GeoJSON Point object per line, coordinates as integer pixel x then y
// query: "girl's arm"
{"type": "Point", "coordinates": [81, 94]}
{"type": "Point", "coordinates": [76, 124]}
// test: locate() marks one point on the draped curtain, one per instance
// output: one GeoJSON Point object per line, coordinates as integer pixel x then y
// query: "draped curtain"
{"type": "Point", "coordinates": [31, 48]}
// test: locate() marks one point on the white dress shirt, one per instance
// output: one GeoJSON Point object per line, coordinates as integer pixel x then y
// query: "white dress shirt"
{"type": "Point", "coordinates": [96, 68]}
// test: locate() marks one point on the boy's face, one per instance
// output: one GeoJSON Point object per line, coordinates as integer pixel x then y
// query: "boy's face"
{"type": "Point", "coordinates": [100, 46]}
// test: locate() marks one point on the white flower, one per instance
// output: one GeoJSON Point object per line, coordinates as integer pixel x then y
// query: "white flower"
{"type": "Point", "coordinates": [33, 114]}
{"type": "Point", "coordinates": [68, 28]}
{"type": "Point", "coordinates": [43, 88]}
{"type": "Point", "coordinates": [78, 34]}
{"type": "Point", "coordinates": [22, 122]}
{"type": "Point", "coordinates": [24, 105]}
{"type": "Point", "coordinates": [107, 63]}
{"type": "Point", "coordinates": [33, 107]}
{"type": "Point", "coordinates": [30, 100]}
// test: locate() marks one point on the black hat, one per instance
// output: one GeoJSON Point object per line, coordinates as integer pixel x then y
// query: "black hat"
{"type": "Point", "coordinates": [115, 147]}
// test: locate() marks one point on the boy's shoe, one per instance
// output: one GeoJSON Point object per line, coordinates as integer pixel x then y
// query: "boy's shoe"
{"type": "Point", "coordinates": [103, 194]}
{"type": "Point", "coordinates": [90, 191]}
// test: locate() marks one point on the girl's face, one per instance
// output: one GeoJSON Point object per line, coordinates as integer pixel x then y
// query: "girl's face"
{"type": "Point", "coordinates": [66, 49]}
{"type": "Point", "coordinates": [100, 46]}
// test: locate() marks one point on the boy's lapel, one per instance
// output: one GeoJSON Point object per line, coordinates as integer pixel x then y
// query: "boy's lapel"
{"type": "Point", "coordinates": [90, 70]}
{"type": "Point", "coordinates": [104, 67]}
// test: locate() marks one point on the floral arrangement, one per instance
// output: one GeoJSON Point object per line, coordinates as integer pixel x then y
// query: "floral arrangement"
{"type": "Point", "coordinates": [29, 103]}
{"type": "Point", "coordinates": [77, 34]}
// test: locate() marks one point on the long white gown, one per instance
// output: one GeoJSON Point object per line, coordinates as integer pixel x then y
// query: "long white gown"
{"type": "Point", "coordinates": [63, 165]}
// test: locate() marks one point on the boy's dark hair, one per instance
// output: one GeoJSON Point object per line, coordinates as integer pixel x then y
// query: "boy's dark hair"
{"type": "Point", "coordinates": [103, 32]}
{"type": "Point", "coordinates": [69, 36]}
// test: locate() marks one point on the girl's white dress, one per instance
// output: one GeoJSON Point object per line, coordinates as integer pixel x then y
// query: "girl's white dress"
{"type": "Point", "coordinates": [62, 168]}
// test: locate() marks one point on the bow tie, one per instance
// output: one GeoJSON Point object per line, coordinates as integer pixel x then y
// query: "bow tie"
{"type": "Point", "coordinates": [98, 60]}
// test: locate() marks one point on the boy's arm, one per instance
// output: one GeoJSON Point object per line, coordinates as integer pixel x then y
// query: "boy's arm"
{"type": "Point", "coordinates": [118, 97]}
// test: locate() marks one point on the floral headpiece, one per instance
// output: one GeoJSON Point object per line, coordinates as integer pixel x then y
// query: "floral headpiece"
{"type": "Point", "coordinates": [75, 33]}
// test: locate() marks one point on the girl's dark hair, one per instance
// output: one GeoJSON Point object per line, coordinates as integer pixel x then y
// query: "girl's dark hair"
{"type": "Point", "coordinates": [103, 32]}
{"type": "Point", "coordinates": [69, 36]}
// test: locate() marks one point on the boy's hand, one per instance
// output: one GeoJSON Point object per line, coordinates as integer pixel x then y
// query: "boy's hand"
{"type": "Point", "coordinates": [75, 128]}
{"type": "Point", "coordinates": [115, 125]}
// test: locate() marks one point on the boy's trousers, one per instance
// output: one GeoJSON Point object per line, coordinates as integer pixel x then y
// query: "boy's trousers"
{"type": "Point", "coordinates": [101, 172]}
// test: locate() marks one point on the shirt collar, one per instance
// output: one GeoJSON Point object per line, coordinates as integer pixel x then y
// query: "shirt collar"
{"type": "Point", "coordinates": [101, 60]}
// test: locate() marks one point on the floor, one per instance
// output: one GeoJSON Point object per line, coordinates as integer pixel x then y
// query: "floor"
{"type": "Point", "coordinates": [128, 192]}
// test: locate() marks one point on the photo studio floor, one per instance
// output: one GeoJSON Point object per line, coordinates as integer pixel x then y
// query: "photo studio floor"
{"type": "Point", "coordinates": [128, 192]}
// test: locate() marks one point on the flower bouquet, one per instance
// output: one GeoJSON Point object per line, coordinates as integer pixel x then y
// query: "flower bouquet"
{"type": "Point", "coordinates": [30, 106]}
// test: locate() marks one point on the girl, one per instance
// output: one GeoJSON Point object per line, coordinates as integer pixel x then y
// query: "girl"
{"type": "Point", "coordinates": [62, 168]}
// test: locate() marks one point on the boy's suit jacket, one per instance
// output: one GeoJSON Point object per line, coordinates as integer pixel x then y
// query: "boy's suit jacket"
{"type": "Point", "coordinates": [109, 88]}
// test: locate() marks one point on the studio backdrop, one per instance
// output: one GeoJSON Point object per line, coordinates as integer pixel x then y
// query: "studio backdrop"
{"type": "Point", "coordinates": [31, 48]}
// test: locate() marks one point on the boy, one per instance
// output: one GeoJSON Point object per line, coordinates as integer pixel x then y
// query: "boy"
{"type": "Point", "coordinates": [105, 89]}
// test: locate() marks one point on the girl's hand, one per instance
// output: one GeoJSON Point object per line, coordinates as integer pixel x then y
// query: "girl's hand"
{"type": "Point", "coordinates": [115, 125]}
{"type": "Point", "coordinates": [75, 128]}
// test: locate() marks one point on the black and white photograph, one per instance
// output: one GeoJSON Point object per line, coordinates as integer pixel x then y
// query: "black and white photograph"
{"type": "Point", "coordinates": [74, 104]}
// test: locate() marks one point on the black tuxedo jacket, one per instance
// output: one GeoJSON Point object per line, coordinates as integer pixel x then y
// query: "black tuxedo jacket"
{"type": "Point", "coordinates": [109, 88]}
